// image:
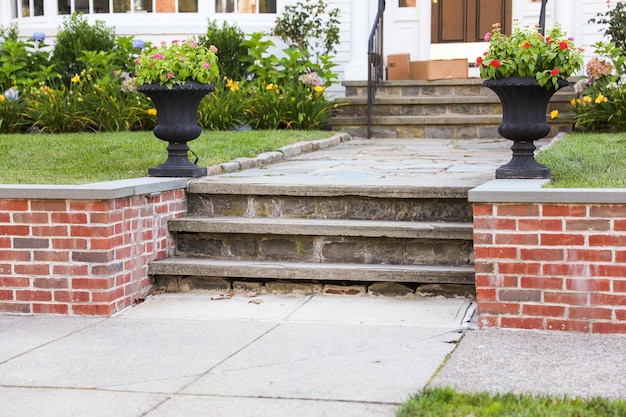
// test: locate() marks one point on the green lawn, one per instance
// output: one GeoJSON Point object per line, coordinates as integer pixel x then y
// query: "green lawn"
{"type": "Point", "coordinates": [587, 160]}
{"type": "Point", "coordinates": [446, 402]}
{"type": "Point", "coordinates": [82, 158]}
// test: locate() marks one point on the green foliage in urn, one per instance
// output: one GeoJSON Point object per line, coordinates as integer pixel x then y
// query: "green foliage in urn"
{"type": "Point", "coordinates": [526, 53]}
{"type": "Point", "coordinates": [177, 63]}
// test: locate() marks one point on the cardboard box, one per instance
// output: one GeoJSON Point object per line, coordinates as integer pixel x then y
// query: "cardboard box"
{"type": "Point", "coordinates": [438, 69]}
{"type": "Point", "coordinates": [398, 67]}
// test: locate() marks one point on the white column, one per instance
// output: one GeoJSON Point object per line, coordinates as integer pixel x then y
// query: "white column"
{"type": "Point", "coordinates": [360, 26]}
{"type": "Point", "coordinates": [424, 16]}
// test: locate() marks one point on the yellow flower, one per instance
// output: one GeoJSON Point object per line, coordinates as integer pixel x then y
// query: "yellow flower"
{"type": "Point", "coordinates": [587, 99]}
{"type": "Point", "coordinates": [573, 102]}
{"type": "Point", "coordinates": [46, 89]}
{"type": "Point", "coordinates": [579, 101]}
{"type": "Point", "coordinates": [1, 97]}
{"type": "Point", "coordinates": [76, 79]}
{"type": "Point", "coordinates": [601, 99]}
{"type": "Point", "coordinates": [270, 86]}
{"type": "Point", "coordinates": [554, 114]}
{"type": "Point", "coordinates": [319, 89]}
{"type": "Point", "coordinates": [232, 85]}
{"type": "Point", "coordinates": [151, 112]}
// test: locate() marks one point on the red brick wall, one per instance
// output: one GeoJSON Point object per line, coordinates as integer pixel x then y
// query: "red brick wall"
{"type": "Point", "coordinates": [81, 256]}
{"type": "Point", "coordinates": [551, 266]}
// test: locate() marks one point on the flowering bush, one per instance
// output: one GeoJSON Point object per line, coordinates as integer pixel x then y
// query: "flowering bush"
{"type": "Point", "coordinates": [526, 53]}
{"type": "Point", "coordinates": [602, 93]}
{"type": "Point", "coordinates": [177, 63]}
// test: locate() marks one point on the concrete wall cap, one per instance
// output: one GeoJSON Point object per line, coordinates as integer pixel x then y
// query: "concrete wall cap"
{"type": "Point", "coordinates": [532, 191]}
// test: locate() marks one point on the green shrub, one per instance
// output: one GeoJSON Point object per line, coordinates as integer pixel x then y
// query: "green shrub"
{"type": "Point", "coordinates": [601, 105]}
{"type": "Point", "coordinates": [76, 36]}
{"type": "Point", "coordinates": [12, 32]}
{"type": "Point", "coordinates": [24, 64]}
{"type": "Point", "coordinates": [309, 26]}
{"type": "Point", "coordinates": [226, 108]}
{"type": "Point", "coordinates": [12, 113]}
{"type": "Point", "coordinates": [287, 92]}
{"type": "Point", "coordinates": [230, 50]}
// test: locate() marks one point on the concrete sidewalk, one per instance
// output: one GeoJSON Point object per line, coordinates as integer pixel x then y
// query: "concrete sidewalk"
{"type": "Point", "coordinates": [189, 355]}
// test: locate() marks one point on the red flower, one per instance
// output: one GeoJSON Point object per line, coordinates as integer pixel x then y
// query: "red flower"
{"type": "Point", "coordinates": [495, 63]}
{"type": "Point", "coordinates": [563, 45]}
{"type": "Point", "coordinates": [479, 60]}
{"type": "Point", "coordinates": [555, 72]}
{"type": "Point", "coordinates": [549, 39]}
{"type": "Point", "coordinates": [526, 45]}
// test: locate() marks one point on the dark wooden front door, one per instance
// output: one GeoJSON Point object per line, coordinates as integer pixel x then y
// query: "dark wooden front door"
{"type": "Point", "coordinates": [468, 20]}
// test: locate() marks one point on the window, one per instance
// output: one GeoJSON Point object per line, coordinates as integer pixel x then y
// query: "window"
{"type": "Point", "coordinates": [245, 6]}
{"type": "Point", "coordinates": [101, 6]}
{"type": "Point", "coordinates": [123, 6]}
{"type": "Point", "coordinates": [32, 8]}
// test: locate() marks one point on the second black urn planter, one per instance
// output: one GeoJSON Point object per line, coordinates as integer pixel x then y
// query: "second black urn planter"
{"type": "Point", "coordinates": [177, 113]}
{"type": "Point", "coordinates": [524, 105]}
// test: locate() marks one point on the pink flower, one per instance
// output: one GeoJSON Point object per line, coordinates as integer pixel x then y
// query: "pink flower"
{"type": "Point", "coordinates": [571, 39]}
{"type": "Point", "coordinates": [213, 49]}
{"type": "Point", "coordinates": [170, 75]}
{"type": "Point", "coordinates": [158, 56]}
{"type": "Point", "coordinates": [206, 65]}
{"type": "Point", "coordinates": [487, 36]}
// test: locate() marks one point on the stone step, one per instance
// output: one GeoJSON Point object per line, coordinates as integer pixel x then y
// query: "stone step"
{"type": "Point", "coordinates": [259, 270]}
{"type": "Point", "coordinates": [322, 227]}
{"type": "Point", "coordinates": [436, 106]}
{"type": "Point", "coordinates": [445, 88]}
{"type": "Point", "coordinates": [414, 204]}
{"type": "Point", "coordinates": [457, 109]}
{"type": "Point", "coordinates": [436, 127]}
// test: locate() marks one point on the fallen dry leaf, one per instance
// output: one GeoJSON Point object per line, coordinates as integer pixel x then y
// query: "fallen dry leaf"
{"type": "Point", "coordinates": [250, 294]}
{"type": "Point", "coordinates": [255, 301]}
{"type": "Point", "coordinates": [223, 296]}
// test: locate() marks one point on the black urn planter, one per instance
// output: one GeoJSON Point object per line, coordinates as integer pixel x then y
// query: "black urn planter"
{"type": "Point", "coordinates": [524, 105]}
{"type": "Point", "coordinates": [177, 113]}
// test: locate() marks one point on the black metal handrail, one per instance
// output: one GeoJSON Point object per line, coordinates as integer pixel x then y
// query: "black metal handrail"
{"type": "Point", "coordinates": [374, 63]}
{"type": "Point", "coordinates": [542, 17]}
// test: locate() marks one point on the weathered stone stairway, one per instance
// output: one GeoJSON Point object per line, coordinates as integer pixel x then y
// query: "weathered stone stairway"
{"type": "Point", "coordinates": [257, 236]}
{"type": "Point", "coordinates": [450, 109]}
